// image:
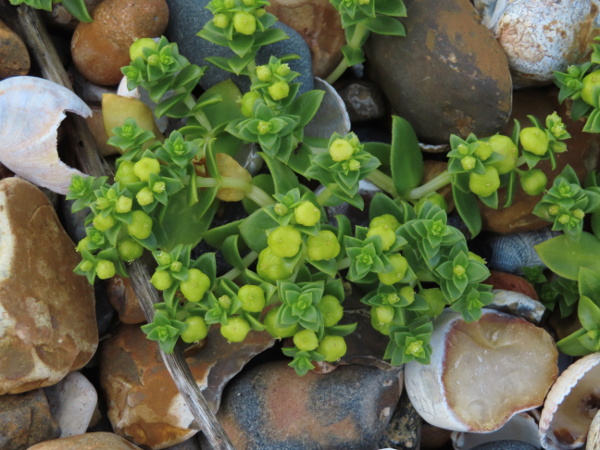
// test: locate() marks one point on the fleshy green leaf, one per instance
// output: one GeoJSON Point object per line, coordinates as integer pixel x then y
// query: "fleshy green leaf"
{"type": "Point", "coordinates": [406, 157]}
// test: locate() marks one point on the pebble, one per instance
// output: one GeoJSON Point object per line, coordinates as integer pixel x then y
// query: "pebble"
{"type": "Point", "coordinates": [582, 152]}
{"type": "Point", "coordinates": [144, 404]}
{"type": "Point", "coordinates": [88, 441]}
{"type": "Point", "coordinates": [319, 24]}
{"type": "Point", "coordinates": [187, 17]}
{"type": "Point", "coordinates": [511, 282]}
{"type": "Point", "coordinates": [364, 101]}
{"type": "Point", "coordinates": [99, 49]}
{"type": "Point", "coordinates": [72, 402]}
{"type": "Point", "coordinates": [404, 430]}
{"type": "Point", "coordinates": [124, 300]}
{"type": "Point", "coordinates": [14, 57]}
{"type": "Point", "coordinates": [271, 408]}
{"type": "Point", "coordinates": [47, 320]}
{"type": "Point", "coordinates": [26, 420]}
{"type": "Point", "coordinates": [448, 75]}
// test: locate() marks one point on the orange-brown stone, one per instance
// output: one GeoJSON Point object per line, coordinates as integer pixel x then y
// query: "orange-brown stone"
{"type": "Point", "coordinates": [47, 316]}
{"type": "Point", "coordinates": [88, 441]}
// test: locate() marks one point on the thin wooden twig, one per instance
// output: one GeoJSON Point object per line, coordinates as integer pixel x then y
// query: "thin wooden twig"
{"type": "Point", "coordinates": [47, 58]}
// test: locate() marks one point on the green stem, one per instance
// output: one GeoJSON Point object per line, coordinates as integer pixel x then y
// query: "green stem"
{"type": "Point", "coordinates": [247, 260]}
{"type": "Point", "coordinates": [199, 116]}
{"type": "Point", "coordinates": [431, 186]}
{"type": "Point", "coordinates": [355, 43]}
{"type": "Point", "coordinates": [324, 196]}
{"type": "Point", "coordinates": [253, 192]}
{"type": "Point", "coordinates": [383, 182]}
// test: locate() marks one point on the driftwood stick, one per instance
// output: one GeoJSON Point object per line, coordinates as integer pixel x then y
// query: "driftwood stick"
{"type": "Point", "coordinates": [44, 52]}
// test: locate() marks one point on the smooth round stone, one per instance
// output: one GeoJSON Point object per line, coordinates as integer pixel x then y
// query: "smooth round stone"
{"type": "Point", "coordinates": [271, 408]}
{"type": "Point", "coordinates": [364, 101]}
{"type": "Point", "coordinates": [187, 17]}
{"type": "Point", "coordinates": [14, 57]}
{"type": "Point", "coordinates": [88, 441]}
{"type": "Point", "coordinates": [505, 445]}
{"type": "Point", "coordinates": [447, 76]}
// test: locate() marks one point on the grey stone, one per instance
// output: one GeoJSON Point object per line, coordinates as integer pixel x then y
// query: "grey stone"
{"type": "Point", "coordinates": [364, 101]}
{"type": "Point", "coordinates": [187, 17]}
{"type": "Point", "coordinates": [404, 430]}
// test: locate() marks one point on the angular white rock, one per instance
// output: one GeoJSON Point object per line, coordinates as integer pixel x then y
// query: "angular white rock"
{"type": "Point", "coordinates": [482, 373]}
{"type": "Point", "coordinates": [72, 403]}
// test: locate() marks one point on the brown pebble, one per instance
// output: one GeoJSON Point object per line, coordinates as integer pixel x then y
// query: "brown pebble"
{"type": "Point", "coordinates": [101, 48]}
{"type": "Point", "coordinates": [14, 57]}
{"type": "Point", "coordinates": [510, 282]}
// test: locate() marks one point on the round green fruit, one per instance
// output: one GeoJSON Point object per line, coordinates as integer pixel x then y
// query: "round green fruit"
{"type": "Point", "coordinates": [194, 288]}
{"type": "Point", "coordinates": [591, 87]}
{"type": "Point", "coordinates": [306, 340]}
{"type": "Point", "coordinates": [399, 268]}
{"type": "Point", "coordinates": [331, 310]}
{"type": "Point", "coordinates": [252, 298]}
{"type": "Point", "coordinates": [484, 184]}
{"type": "Point", "coordinates": [332, 348]}
{"type": "Point", "coordinates": [195, 331]}
{"type": "Point", "coordinates": [270, 323]}
{"type": "Point", "coordinates": [236, 329]}
{"type": "Point", "coordinates": [505, 147]}
{"type": "Point", "coordinates": [284, 241]}
{"type": "Point", "coordinates": [534, 140]}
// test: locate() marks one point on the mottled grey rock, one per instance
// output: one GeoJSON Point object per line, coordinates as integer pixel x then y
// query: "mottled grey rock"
{"type": "Point", "coordinates": [271, 408]}
{"type": "Point", "coordinates": [25, 420]}
{"type": "Point", "coordinates": [404, 430]}
{"type": "Point", "coordinates": [187, 17]}
{"type": "Point", "coordinates": [505, 445]}
{"type": "Point", "coordinates": [447, 76]}
{"type": "Point", "coordinates": [364, 101]}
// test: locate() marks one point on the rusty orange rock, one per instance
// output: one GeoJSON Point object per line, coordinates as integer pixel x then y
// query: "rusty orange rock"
{"type": "Point", "coordinates": [101, 48]}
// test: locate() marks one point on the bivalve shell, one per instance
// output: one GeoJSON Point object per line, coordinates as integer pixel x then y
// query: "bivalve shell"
{"type": "Point", "coordinates": [571, 405]}
{"type": "Point", "coordinates": [482, 373]}
{"type": "Point", "coordinates": [593, 439]}
{"type": "Point", "coordinates": [31, 110]}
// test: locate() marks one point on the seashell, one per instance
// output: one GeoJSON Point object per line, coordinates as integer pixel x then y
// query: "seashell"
{"type": "Point", "coordinates": [482, 373]}
{"type": "Point", "coordinates": [518, 304]}
{"type": "Point", "coordinates": [571, 405]}
{"type": "Point", "coordinates": [593, 439]}
{"type": "Point", "coordinates": [511, 252]}
{"type": "Point", "coordinates": [539, 36]}
{"type": "Point", "coordinates": [521, 427]}
{"type": "Point", "coordinates": [332, 116]}
{"type": "Point", "coordinates": [30, 111]}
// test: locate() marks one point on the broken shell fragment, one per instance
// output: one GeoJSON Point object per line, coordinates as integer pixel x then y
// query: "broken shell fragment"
{"type": "Point", "coordinates": [518, 304]}
{"type": "Point", "coordinates": [593, 439]}
{"type": "Point", "coordinates": [482, 373]}
{"type": "Point", "coordinates": [31, 110]}
{"type": "Point", "coordinates": [571, 405]}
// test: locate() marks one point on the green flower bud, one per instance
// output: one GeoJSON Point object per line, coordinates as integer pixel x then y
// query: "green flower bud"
{"type": "Point", "coordinates": [247, 103]}
{"type": "Point", "coordinates": [224, 301]}
{"type": "Point", "coordinates": [280, 209]}
{"type": "Point", "coordinates": [398, 271]}
{"type": "Point", "coordinates": [485, 184]}
{"type": "Point", "coordinates": [144, 196]}
{"type": "Point", "coordinates": [307, 214]}
{"type": "Point", "coordinates": [506, 148]}
{"type": "Point", "coordinates": [353, 165]}
{"type": "Point", "coordinates": [102, 223]}
{"type": "Point", "coordinates": [283, 70]}
{"type": "Point", "coordinates": [332, 348]}
{"type": "Point", "coordinates": [263, 73]}
{"type": "Point", "coordinates": [459, 271]}
{"type": "Point", "coordinates": [387, 235]}
{"type": "Point", "coordinates": [306, 340]}
{"type": "Point", "coordinates": [83, 244]}
{"type": "Point", "coordinates": [244, 23]}
{"type": "Point", "coordinates": [176, 266]}
{"type": "Point", "coordinates": [145, 167]}
{"type": "Point", "coordinates": [153, 60]}
{"type": "Point", "coordinates": [323, 246]}
{"type": "Point", "coordinates": [252, 298]}
{"type": "Point", "coordinates": [129, 249]}
{"type": "Point", "coordinates": [468, 163]}
{"type": "Point", "coordinates": [236, 329]}
{"type": "Point", "coordinates": [463, 149]}
{"type": "Point", "coordinates": [383, 328]}
{"type": "Point", "coordinates": [105, 269]}
{"type": "Point", "coordinates": [534, 140]}
{"type": "Point", "coordinates": [408, 293]}
{"type": "Point", "coordinates": [195, 331]}
{"type": "Point", "coordinates": [484, 150]}
{"type": "Point", "coordinates": [277, 332]}
{"type": "Point", "coordinates": [271, 267]}
{"type": "Point", "coordinates": [341, 150]}
{"type": "Point", "coordinates": [578, 214]}
{"type": "Point", "coordinates": [553, 210]}
{"type": "Point", "coordinates": [196, 285]}
{"type": "Point", "coordinates": [384, 314]}
{"type": "Point", "coordinates": [228, 3]}
{"type": "Point", "coordinates": [163, 258]}
{"type": "Point", "coordinates": [159, 186]}
{"type": "Point", "coordinates": [136, 50]}
{"type": "Point", "coordinates": [591, 87]}
{"type": "Point", "coordinates": [125, 173]}
{"type": "Point", "coordinates": [279, 90]}
{"type": "Point", "coordinates": [140, 226]}
{"type": "Point", "coordinates": [102, 203]}
{"type": "Point", "coordinates": [564, 219]}
{"type": "Point", "coordinates": [162, 280]}
{"type": "Point", "coordinates": [415, 348]}
{"type": "Point", "coordinates": [284, 241]}
{"type": "Point", "coordinates": [123, 204]}
{"type": "Point", "coordinates": [386, 220]}
{"type": "Point", "coordinates": [86, 266]}
{"type": "Point", "coordinates": [435, 198]}
{"type": "Point", "coordinates": [221, 20]}
{"type": "Point", "coordinates": [331, 310]}
{"type": "Point", "coordinates": [534, 181]}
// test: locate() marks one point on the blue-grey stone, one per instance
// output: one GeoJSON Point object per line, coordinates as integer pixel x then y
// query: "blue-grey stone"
{"type": "Point", "coordinates": [187, 17]}
{"type": "Point", "coordinates": [505, 445]}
